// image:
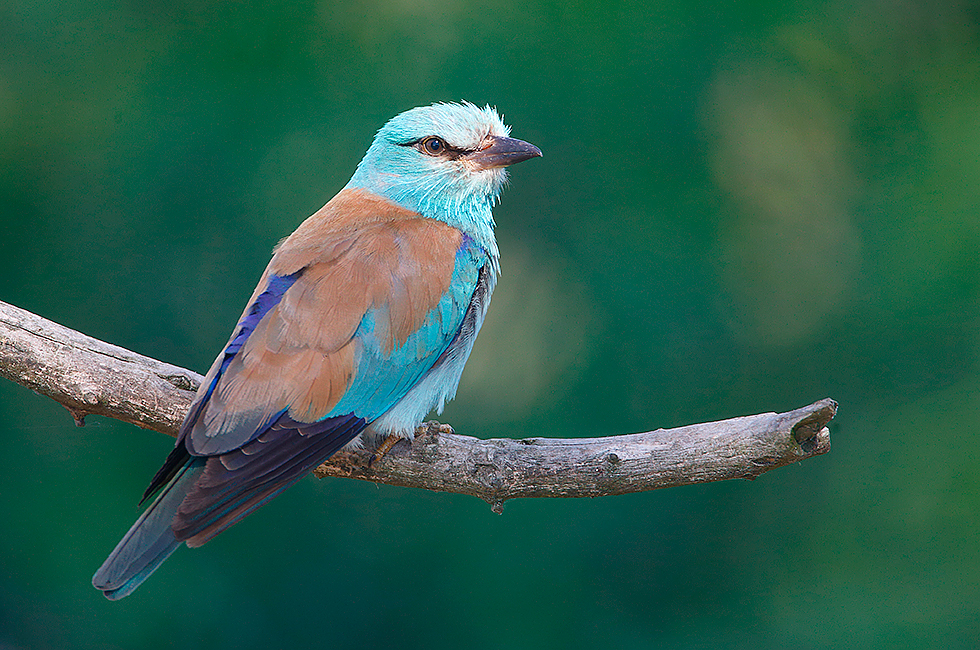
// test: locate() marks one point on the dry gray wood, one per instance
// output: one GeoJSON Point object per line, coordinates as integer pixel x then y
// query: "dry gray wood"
{"type": "Point", "coordinates": [89, 376]}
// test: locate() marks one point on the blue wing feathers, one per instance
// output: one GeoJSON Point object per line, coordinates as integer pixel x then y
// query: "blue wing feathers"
{"type": "Point", "coordinates": [276, 288]}
{"type": "Point", "coordinates": [210, 494]}
{"type": "Point", "coordinates": [149, 541]}
{"type": "Point", "coordinates": [238, 478]}
{"type": "Point", "coordinates": [376, 388]}
{"type": "Point", "coordinates": [202, 495]}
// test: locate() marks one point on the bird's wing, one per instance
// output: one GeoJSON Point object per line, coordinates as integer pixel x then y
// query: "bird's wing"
{"type": "Point", "coordinates": [354, 309]}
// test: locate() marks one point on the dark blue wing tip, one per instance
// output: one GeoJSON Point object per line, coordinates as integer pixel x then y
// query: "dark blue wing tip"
{"type": "Point", "coordinates": [275, 289]}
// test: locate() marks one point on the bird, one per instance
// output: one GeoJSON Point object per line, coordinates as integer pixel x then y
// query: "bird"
{"type": "Point", "coordinates": [358, 328]}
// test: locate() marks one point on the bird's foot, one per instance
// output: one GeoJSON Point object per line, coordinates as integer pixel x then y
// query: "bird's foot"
{"type": "Point", "coordinates": [432, 428]}
{"type": "Point", "coordinates": [429, 428]}
{"type": "Point", "coordinates": [383, 449]}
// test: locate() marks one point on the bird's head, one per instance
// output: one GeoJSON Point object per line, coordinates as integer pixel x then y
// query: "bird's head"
{"type": "Point", "coordinates": [445, 161]}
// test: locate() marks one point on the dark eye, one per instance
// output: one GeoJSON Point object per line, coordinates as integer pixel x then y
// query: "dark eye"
{"type": "Point", "coordinates": [433, 145]}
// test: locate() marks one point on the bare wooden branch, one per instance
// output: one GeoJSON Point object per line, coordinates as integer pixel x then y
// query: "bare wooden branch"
{"type": "Point", "coordinates": [504, 468]}
{"type": "Point", "coordinates": [89, 376]}
{"type": "Point", "coordinates": [86, 375]}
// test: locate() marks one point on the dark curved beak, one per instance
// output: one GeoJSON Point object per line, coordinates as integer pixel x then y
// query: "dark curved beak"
{"type": "Point", "coordinates": [501, 152]}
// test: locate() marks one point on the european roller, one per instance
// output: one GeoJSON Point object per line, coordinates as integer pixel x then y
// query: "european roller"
{"type": "Point", "coordinates": [360, 325]}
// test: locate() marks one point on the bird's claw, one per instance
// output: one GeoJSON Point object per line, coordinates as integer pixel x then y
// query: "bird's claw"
{"type": "Point", "coordinates": [432, 428]}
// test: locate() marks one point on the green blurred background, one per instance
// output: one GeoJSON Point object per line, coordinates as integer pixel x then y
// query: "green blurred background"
{"type": "Point", "coordinates": [743, 207]}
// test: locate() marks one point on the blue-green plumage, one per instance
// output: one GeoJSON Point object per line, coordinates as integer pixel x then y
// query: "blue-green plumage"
{"type": "Point", "coordinates": [383, 379]}
{"type": "Point", "coordinates": [362, 323]}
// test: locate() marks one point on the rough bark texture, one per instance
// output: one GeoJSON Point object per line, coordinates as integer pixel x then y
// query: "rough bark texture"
{"type": "Point", "coordinates": [89, 376]}
{"type": "Point", "coordinates": [503, 468]}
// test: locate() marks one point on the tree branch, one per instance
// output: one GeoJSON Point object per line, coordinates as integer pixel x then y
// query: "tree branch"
{"type": "Point", "coordinates": [89, 376]}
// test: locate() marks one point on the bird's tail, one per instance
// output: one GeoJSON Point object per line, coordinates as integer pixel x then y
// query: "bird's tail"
{"type": "Point", "coordinates": [150, 541]}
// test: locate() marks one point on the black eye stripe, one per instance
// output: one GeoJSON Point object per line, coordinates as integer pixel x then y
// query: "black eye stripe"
{"type": "Point", "coordinates": [443, 150]}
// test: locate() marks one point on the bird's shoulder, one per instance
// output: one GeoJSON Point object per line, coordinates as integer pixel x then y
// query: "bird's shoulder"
{"type": "Point", "coordinates": [362, 253]}
{"type": "Point", "coordinates": [358, 222]}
